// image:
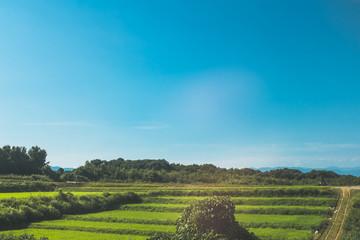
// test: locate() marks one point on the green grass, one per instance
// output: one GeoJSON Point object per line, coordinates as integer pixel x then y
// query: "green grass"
{"type": "Point", "coordinates": [37, 194]}
{"type": "Point", "coordinates": [107, 227]}
{"type": "Point", "coordinates": [281, 234]}
{"type": "Point", "coordinates": [283, 210]}
{"type": "Point", "coordinates": [113, 187]}
{"type": "Point", "coordinates": [289, 201]}
{"type": "Point", "coordinates": [262, 213]}
{"type": "Point", "coordinates": [75, 235]}
{"type": "Point", "coordinates": [118, 214]}
{"type": "Point", "coordinates": [155, 207]}
{"type": "Point", "coordinates": [301, 222]}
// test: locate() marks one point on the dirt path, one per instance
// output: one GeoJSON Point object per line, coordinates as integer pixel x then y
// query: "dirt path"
{"type": "Point", "coordinates": [334, 231]}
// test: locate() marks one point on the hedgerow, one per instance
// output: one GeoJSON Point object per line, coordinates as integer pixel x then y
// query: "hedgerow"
{"type": "Point", "coordinates": [286, 201]}
{"type": "Point", "coordinates": [16, 213]}
{"type": "Point", "coordinates": [25, 186]}
{"type": "Point", "coordinates": [252, 192]}
{"type": "Point", "coordinates": [281, 210]}
{"type": "Point", "coordinates": [352, 222]}
{"type": "Point", "coordinates": [24, 236]}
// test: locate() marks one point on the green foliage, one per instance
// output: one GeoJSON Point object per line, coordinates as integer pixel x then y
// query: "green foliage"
{"type": "Point", "coordinates": [353, 235]}
{"type": "Point", "coordinates": [141, 217]}
{"type": "Point", "coordinates": [282, 210]}
{"type": "Point", "coordinates": [24, 236]}
{"type": "Point", "coordinates": [117, 224]}
{"type": "Point", "coordinates": [211, 218]}
{"type": "Point", "coordinates": [282, 234]}
{"type": "Point", "coordinates": [299, 222]}
{"type": "Point", "coordinates": [352, 221]}
{"type": "Point", "coordinates": [25, 186]}
{"type": "Point", "coordinates": [250, 192]}
{"type": "Point", "coordinates": [161, 171]}
{"type": "Point", "coordinates": [285, 201]}
{"type": "Point", "coordinates": [18, 160]}
{"type": "Point", "coordinates": [105, 227]}
{"type": "Point", "coordinates": [55, 234]}
{"type": "Point", "coordinates": [15, 213]}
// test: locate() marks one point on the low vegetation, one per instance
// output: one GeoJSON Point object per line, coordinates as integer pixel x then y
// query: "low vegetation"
{"type": "Point", "coordinates": [131, 220]}
{"type": "Point", "coordinates": [211, 218]}
{"type": "Point", "coordinates": [16, 213]}
{"type": "Point", "coordinates": [161, 171]}
{"type": "Point", "coordinates": [106, 209]}
{"type": "Point", "coordinates": [284, 201]}
{"type": "Point", "coordinates": [352, 223]}
{"type": "Point", "coordinates": [24, 236]}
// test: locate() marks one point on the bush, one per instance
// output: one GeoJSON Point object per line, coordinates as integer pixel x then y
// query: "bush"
{"type": "Point", "coordinates": [352, 221]}
{"type": "Point", "coordinates": [353, 235]}
{"type": "Point", "coordinates": [25, 186]}
{"type": "Point", "coordinates": [24, 236]}
{"type": "Point", "coordinates": [209, 219]}
{"type": "Point", "coordinates": [15, 213]}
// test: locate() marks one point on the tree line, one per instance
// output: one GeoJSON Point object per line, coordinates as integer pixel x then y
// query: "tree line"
{"type": "Point", "coordinates": [161, 171]}
{"type": "Point", "coordinates": [19, 160]}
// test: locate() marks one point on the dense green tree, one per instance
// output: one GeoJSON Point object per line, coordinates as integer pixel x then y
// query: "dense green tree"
{"type": "Point", "coordinates": [210, 219]}
{"type": "Point", "coordinates": [161, 171]}
{"type": "Point", "coordinates": [37, 159]}
{"type": "Point", "coordinates": [17, 160]}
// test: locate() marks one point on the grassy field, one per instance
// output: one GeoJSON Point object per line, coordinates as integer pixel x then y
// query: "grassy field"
{"type": "Point", "coordinates": [36, 194]}
{"type": "Point", "coordinates": [288, 201]}
{"type": "Point", "coordinates": [280, 209]}
{"type": "Point", "coordinates": [77, 235]}
{"type": "Point", "coordinates": [272, 213]}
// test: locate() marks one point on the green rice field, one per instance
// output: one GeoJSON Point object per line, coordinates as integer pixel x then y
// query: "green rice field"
{"type": "Point", "coordinates": [272, 213]}
{"type": "Point", "coordinates": [37, 194]}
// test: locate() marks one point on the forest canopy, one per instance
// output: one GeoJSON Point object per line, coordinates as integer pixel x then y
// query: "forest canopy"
{"type": "Point", "coordinates": [19, 160]}
{"type": "Point", "coordinates": [161, 171]}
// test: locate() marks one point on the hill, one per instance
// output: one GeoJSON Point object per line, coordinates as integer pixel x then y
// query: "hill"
{"type": "Point", "coordinates": [341, 171]}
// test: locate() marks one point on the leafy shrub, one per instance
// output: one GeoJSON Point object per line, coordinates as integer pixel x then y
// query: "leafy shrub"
{"type": "Point", "coordinates": [353, 235]}
{"type": "Point", "coordinates": [24, 236]}
{"type": "Point", "coordinates": [209, 219]}
{"type": "Point", "coordinates": [15, 213]}
{"type": "Point", "coordinates": [352, 221]}
{"type": "Point", "coordinates": [25, 186]}
{"type": "Point", "coordinates": [250, 192]}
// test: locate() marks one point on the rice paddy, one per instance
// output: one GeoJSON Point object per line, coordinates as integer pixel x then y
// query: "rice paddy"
{"type": "Point", "coordinates": [38, 194]}
{"type": "Point", "coordinates": [280, 213]}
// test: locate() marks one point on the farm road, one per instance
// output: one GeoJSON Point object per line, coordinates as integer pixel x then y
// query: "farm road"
{"type": "Point", "coordinates": [336, 227]}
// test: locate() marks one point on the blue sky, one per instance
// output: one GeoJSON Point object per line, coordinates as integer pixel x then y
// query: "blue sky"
{"type": "Point", "coordinates": [232, 83]}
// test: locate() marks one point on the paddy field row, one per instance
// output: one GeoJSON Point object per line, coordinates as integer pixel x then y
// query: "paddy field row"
{"type": "Point", "coordinates": [286, 215]}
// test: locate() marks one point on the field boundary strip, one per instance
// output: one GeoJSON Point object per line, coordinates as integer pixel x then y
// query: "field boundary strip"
{"type": "Point", "coordinates": [336, 227]}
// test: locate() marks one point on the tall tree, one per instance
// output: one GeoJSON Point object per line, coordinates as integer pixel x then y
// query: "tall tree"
{"type": "Point", "coordinates": [19, 160]}
{"type": "Point", "coordinates": [37, 159]}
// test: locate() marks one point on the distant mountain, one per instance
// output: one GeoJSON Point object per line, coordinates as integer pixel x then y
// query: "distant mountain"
{"type": "Point", "coordinates": [342, 171]}
{"type": "Point", "coordinates": [55, 168]}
